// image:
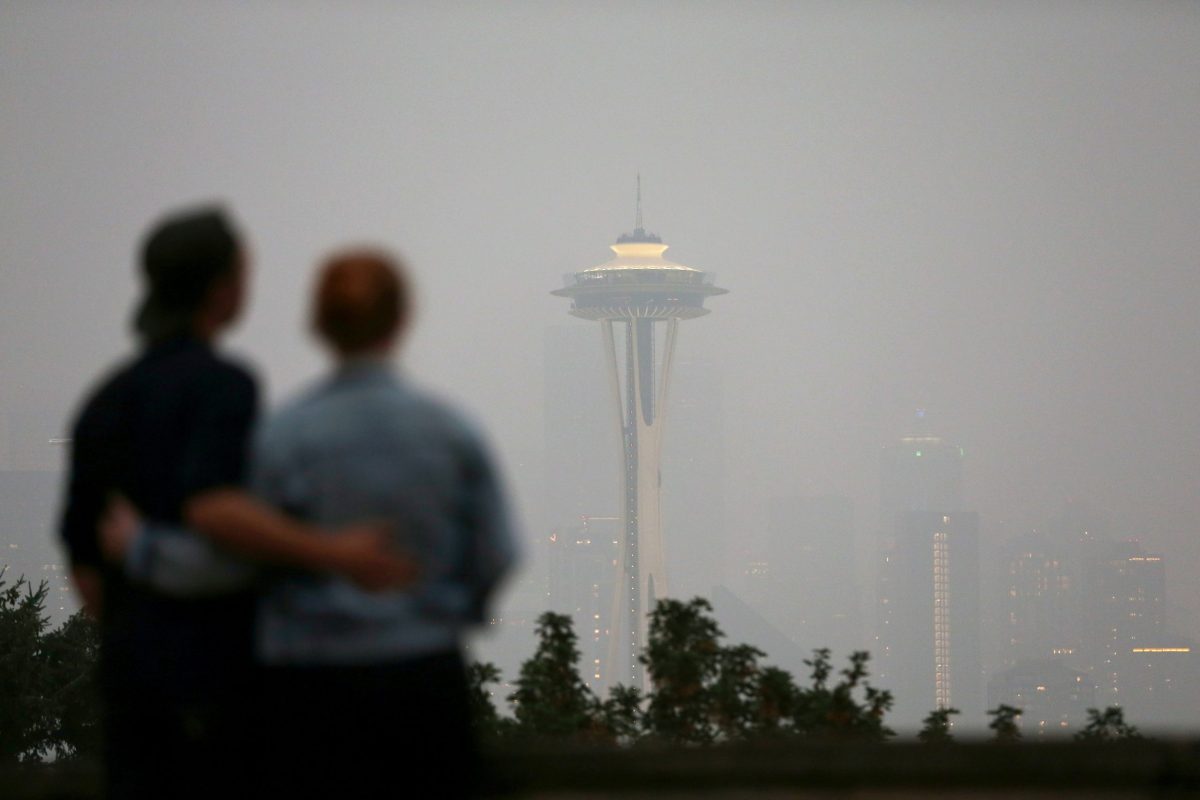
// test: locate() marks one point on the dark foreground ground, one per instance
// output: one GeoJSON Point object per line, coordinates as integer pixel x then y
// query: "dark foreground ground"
{"type": "Point", "coordinates": [1154, 769]}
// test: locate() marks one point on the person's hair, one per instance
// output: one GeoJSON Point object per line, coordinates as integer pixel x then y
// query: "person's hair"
{"type": "Point", "coordinates": [182, 258]}
{"type": "Point", "coordinates": [361, 300]}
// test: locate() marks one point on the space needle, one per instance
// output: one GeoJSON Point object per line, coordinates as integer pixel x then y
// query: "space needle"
{"type": "Point", "coordinates": [638, 297]}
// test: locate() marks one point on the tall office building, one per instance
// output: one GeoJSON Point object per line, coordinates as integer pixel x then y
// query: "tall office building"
{"type": "Point", "coordinates": [921, 482]}
{"type": "Point", "coordinates": [935, 653]}
{"type": "Point", "coordinates": [1135, 659]}
{"type": "Point", "coordinates": [583, 584]}
{"type": "Point", "coordinates": [1053, 698]}
{"type": "Point", "coordinates": [1158, 684]}
{"type": "Point", "coordinates": [1037, 600]}
{"type": "Point", "coordinates": [638, 298]}
{"type": "Point", "coordinates": [920, 472]}
{"type": "Point", "coordinates": [1124, 613]}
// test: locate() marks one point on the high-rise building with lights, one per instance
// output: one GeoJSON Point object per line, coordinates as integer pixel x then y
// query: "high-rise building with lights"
{"type": "Point", "coordinates": [583, 582]}
{"type": "Point", "coordinates": [920, 472]}
{"type": "Point", "coordinates": [1124, 614]}
{"type": "Point", "coordinates": [1037, 599]}
{"type": "Point", "coordinates": [935, 655]}
{"type": "Point", "coordinates": [920, 482]}
{"type": "Point", "coordinates": [1135, 659]}
{"type": "Point", "coordinates": [639, 298]}
{"type": "Point", "coordinates": [1053, 698]}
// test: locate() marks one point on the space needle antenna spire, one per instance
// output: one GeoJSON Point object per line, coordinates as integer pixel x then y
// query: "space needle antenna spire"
{"type": "Point", "coordinates": [637, 221]}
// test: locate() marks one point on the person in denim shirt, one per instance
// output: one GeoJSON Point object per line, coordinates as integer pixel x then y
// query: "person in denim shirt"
{"type": "Point", "coordinates": [365, 690]}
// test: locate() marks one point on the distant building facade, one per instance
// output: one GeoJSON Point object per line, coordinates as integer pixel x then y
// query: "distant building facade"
{"type": "Point", "coordinates": [926, 643]}
{"type": "Point", "coordinates": [1125, 604]}
{"type": "Point", "coordinates": [1053, 698]}
{"type": "Point", "coordinates": [584, 583]}
{"type": "Point", "coordinates": [1133, 658]}
{"type": "Point", "coordinates": [1099, 607]}
{"type": "Point", "coordinates": [935, 659]}
{"type": "Point", "coordinates": [1037, 598]}
{"type": "Point", "coordinates": [921, 472]}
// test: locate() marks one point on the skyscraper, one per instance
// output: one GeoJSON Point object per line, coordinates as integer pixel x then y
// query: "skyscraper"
{"type": "Point", "coordinates": [921, 472]}
{"type": "Point", "coordinates": [927, 602]}
{"type": "Point", "coordinates": [935, 654]}
{"type": "Point", "coordinates": [1053, 698]}
{"type": "Point", "coordinates": [1037, 601]}
{"type": "Point", "coordinates": [1124, 614]}
{"type": "Point", "coordinates": [583, 584]}
{"type": "Point", "coordinates": [639, 298]}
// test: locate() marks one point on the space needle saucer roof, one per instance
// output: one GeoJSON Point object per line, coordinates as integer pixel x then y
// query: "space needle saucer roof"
{"type": "Point", "coordinates": [639, 250]}
{"type": "Point", "coordinates": [639, 284]}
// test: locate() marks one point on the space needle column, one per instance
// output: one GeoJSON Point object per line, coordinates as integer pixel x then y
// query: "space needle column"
{"type": "Point", "coordinates": [639, 298]}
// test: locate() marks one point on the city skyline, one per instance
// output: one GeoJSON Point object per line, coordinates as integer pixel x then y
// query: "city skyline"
{"type": "Point", "coordinates": [983, 210]}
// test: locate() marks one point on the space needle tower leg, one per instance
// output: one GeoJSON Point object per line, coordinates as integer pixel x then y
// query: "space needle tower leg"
{"type": "Point", "coordinates": [640, 400]}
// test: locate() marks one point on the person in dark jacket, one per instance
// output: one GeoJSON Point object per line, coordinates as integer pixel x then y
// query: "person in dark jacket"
{"type": "Point", "coordinates": [169, 431]}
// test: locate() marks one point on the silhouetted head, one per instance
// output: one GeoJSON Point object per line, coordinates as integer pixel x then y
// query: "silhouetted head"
{"type": "Point", "coordinates": [362, 302]}
{"type": "Point", "coordinates": [193, 270]}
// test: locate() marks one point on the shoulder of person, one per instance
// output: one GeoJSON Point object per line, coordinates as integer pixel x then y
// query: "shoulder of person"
{"type": "Point", "coordinates": [234, 372]}
{"type": "Point", "coordinates": [281, 424]}
{"type": "Point", "coordinates": [460, 426]}
{"type": "Point", "coordinates": [439, 411]}
{"type": "Point", "coordinates": [103, 393]}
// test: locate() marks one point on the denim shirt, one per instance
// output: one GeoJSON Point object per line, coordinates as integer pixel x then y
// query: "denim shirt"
{"type": "Point", "coordinates": [361, 446]}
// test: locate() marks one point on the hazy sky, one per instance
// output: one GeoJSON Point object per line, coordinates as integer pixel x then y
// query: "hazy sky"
{"type": "Point", "coordinates": [991, 210]}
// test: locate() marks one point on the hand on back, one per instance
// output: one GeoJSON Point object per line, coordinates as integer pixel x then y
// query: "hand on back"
{"type": "Point", "coordinates": [118, 528]}
{"type": "Point", "coordinates": [363, 553]}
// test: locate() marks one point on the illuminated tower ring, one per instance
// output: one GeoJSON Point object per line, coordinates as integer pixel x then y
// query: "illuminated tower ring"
{"type": "Point", "coordinates": [630, 295]}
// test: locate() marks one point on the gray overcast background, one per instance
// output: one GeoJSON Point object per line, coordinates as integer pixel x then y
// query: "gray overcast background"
{"type": "Point", "coordinates": [991, 210]}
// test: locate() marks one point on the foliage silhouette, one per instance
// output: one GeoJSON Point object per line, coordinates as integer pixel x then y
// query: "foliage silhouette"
{"type": "Point", "coordinates": [1108, 725]}
{"type": "Point", "coordinates": [1004, 723]}
{"type": "Point", "coordinates": [48, 702]}
{"type": "Point", "coordinates": [700, 690]}
{"type": "Point", "coordinates": [489, 725]}
{"type": "Point", "coordinates": [551, 700]}
{"type": "Point", "coordinates": [825, 712]}
{"type": "Point", "coordinates": [682, 657]}
{"type": "Point", "coordinates": [936, 728]}
{"type": "Point", "coordinates": [622, 719]}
